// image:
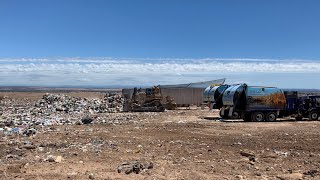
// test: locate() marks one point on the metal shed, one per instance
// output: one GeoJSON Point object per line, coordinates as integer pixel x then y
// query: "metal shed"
{"type": "Point", "coordinates": [184, 96]}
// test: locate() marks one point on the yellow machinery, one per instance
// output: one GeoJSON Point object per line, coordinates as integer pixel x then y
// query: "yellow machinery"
{"type": "Point", "coordinates": [149, 100]}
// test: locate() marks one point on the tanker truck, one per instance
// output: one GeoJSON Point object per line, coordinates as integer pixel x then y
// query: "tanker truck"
{"type": "Point", "coordinates": [252, 103]}
{"type": "Point", "coordinates": [260, 103]}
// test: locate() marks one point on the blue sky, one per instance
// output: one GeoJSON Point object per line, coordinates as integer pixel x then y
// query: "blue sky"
{"type": "Point", "coordinates": [145, 32]}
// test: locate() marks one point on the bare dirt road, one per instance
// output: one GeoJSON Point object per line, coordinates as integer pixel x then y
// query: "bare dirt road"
{"type": "Point", "coordinates": [179, 144]}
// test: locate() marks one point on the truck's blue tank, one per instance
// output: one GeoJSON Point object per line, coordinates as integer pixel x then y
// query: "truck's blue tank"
{"type": "Point", "coordinates": [254, 97]}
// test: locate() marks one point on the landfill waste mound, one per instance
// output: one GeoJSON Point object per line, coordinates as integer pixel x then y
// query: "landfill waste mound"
{"type": "Point", "coordinates": [60, 102]}
{"type": "Point", "coordinates": [21, 116]}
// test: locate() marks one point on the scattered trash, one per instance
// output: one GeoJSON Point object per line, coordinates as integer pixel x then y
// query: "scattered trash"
{"type": "Point", "coordinates": [247, 154]}
{"type": "Point", "coordinates": [30, 132]}
{"type": "Point", "coordinates": [86, 120]}
{"type": "Point", "coordinates": [14, 168]}
{"type": "Point", "coordinates": [51, 158]}
{"type": "Point", "coordinates": [312, 173]}
{"type": "Point", "coordinates": [91, 176]}
{"type": "Point", "coordinates": [134, 166]}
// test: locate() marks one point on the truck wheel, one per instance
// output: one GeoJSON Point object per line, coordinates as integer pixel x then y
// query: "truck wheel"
{"type": "Point", "coordinates": [225, 115]}
{"type": "Point", "coordinates": [271, 116]}
{"type": "Point", "coordinates": [246, 117]}
{"type": "Point", "coordinates": [235, 115]}
{"type": "Point", "coordinates": [313, 115]}
{"type": "Point", "coordinates": [257, 116]}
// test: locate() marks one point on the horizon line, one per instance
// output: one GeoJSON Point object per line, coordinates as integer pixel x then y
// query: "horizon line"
{"type": "Point", "coordinates": [157, 58]}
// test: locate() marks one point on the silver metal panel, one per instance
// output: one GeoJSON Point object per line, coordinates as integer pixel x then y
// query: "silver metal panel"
{"type": "Point", "coordinates": [206, 94]}
{"type": "Point", "coordinates": [185, 95]}
{"type": "Point", "coordinates": [182, 96]}
{"type": "Point", "coordinates": [203, 84]}
{"type": "Point", "coordinates": [228, 95]}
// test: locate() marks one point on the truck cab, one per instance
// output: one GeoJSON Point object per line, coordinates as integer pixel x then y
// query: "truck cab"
{"type": "Point", "coordinates": [310, 107]}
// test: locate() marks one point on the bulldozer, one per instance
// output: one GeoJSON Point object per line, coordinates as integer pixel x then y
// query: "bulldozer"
{"type": "Point", "coordinates": [149, 100]}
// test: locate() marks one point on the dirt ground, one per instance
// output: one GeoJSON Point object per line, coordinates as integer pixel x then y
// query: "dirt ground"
{"type": "Point", "coordinates": [181, 144]}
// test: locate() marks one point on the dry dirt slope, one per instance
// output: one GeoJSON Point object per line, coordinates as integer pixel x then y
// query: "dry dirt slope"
{"type": "Point", "coordinates": [179, 144]}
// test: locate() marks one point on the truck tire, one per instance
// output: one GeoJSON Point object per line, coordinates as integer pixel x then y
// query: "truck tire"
{"type": "Point", "coordinates": [246, 117]}
{"type": "Point", "coordinates": [225, 115]}
{"type": "Point", "coordinates": [257, 116]}
{"type": "Point", "coordinates": [235, 115]}
{"type": "Point", "coordinates": [313, 115]}
{"type": "Point", "coordinates": [271, 116]}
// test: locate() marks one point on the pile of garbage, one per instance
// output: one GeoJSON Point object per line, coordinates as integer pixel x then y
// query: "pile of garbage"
{"type": "Point", "coordinates": [62, 103]}
{"type": "Point", "coordinates": [21, 116]}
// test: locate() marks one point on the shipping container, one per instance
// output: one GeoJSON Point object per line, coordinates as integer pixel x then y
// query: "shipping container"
{"type": "Point", "coordinates": [182, 96]}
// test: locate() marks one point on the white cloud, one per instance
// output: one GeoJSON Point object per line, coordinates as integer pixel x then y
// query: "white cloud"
{"type": "Point", "coordinates": [128, 71]}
